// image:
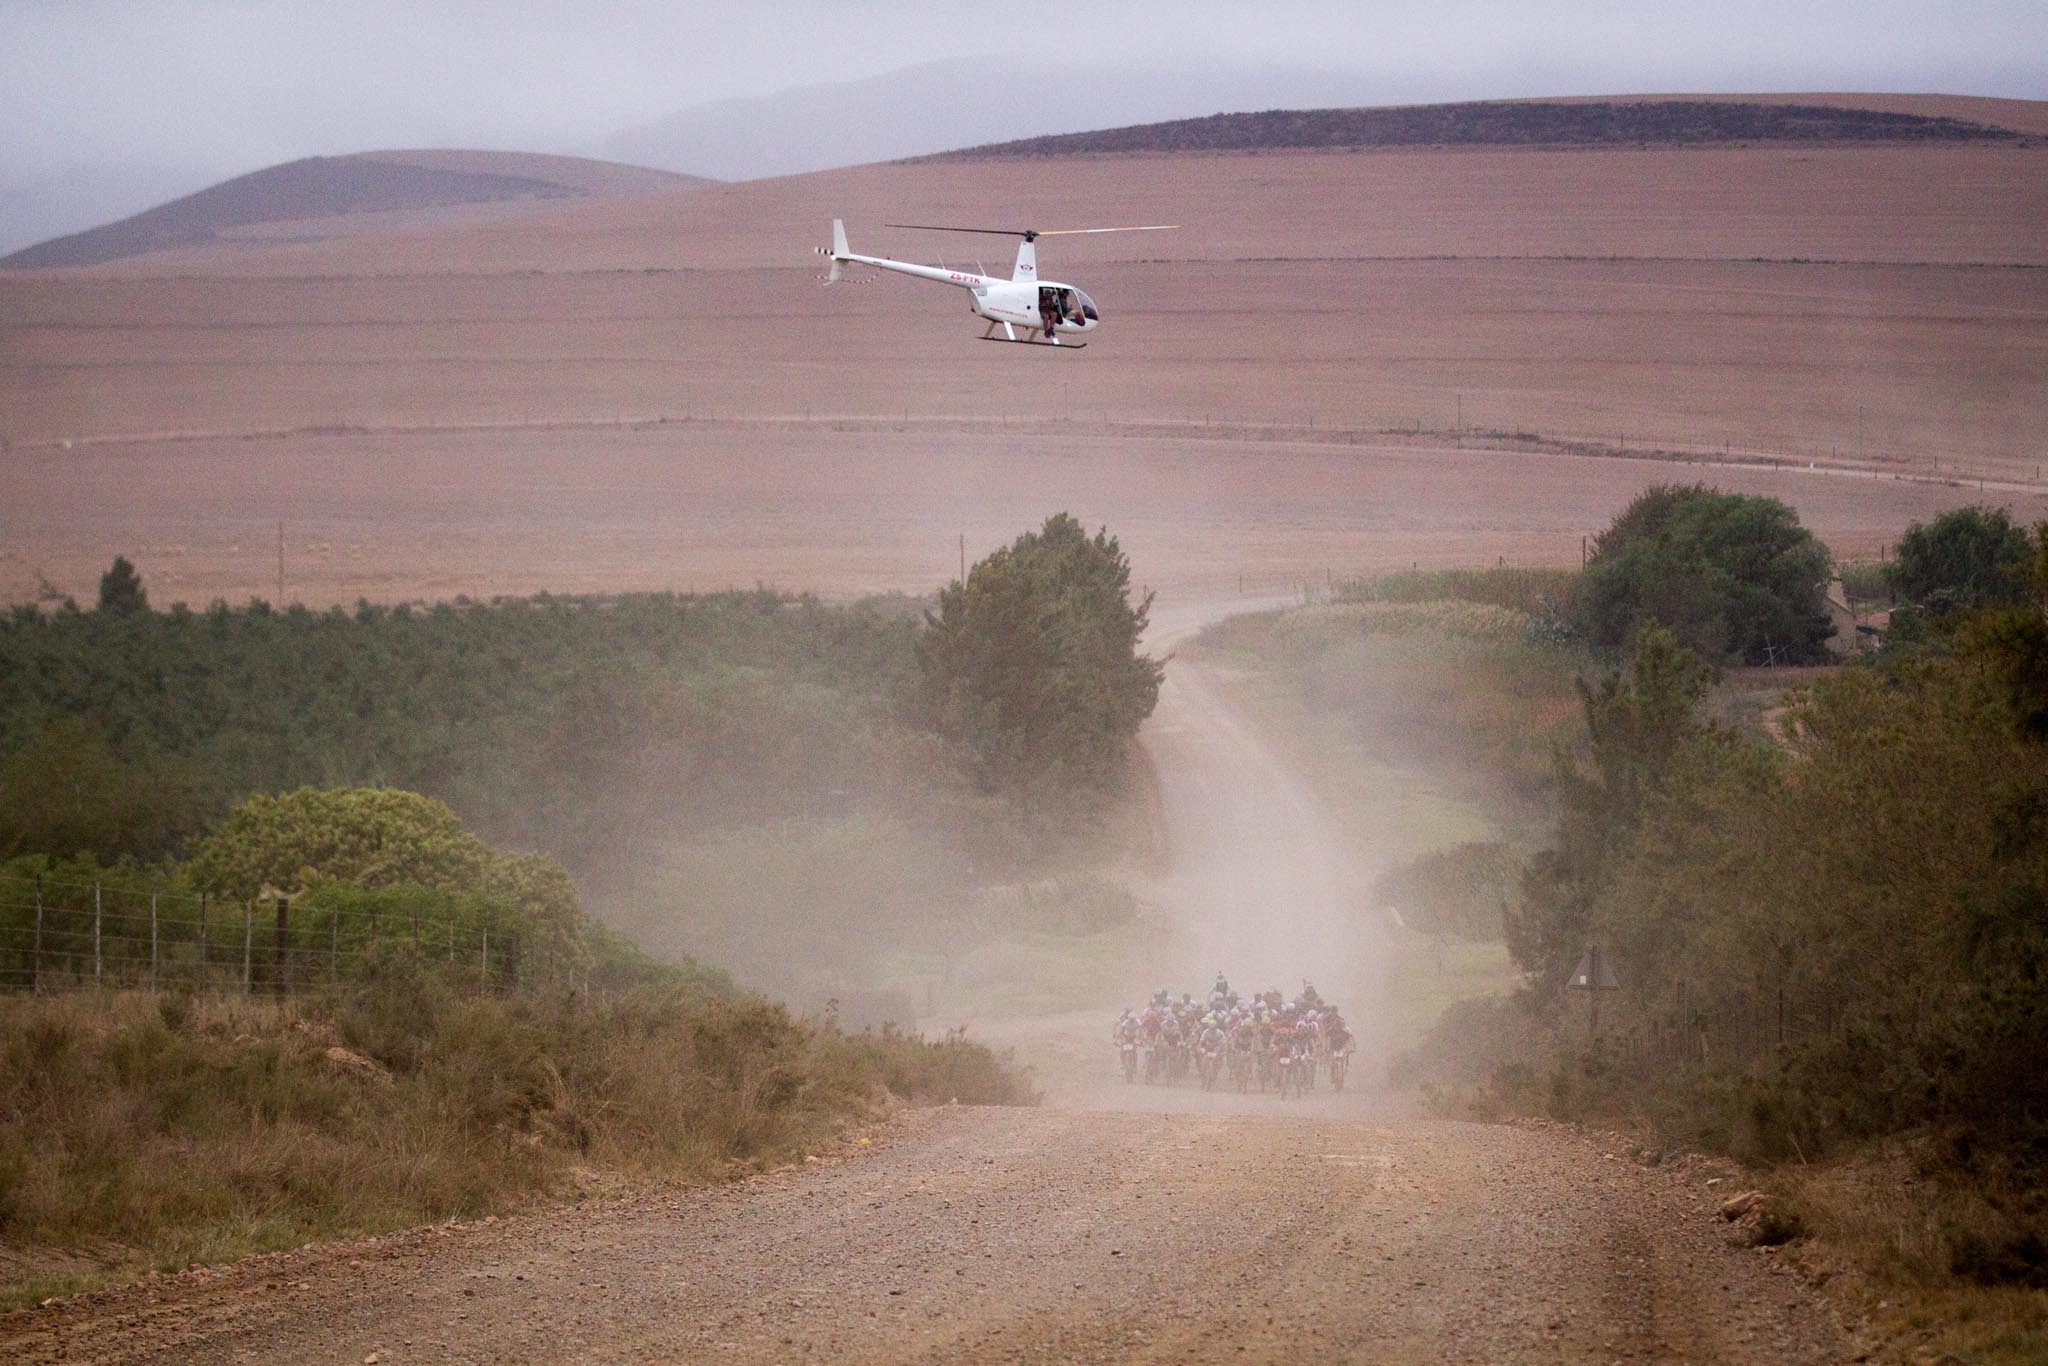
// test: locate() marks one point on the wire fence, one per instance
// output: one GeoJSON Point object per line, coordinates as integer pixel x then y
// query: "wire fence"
{"type": "Point", "coordinates": [67, 936]}
{"type": "Point", "coordinates": [1732, 1030]}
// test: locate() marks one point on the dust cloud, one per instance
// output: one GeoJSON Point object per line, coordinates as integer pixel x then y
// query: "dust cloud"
{"type": "Point", "coordinates": [1257, 882]}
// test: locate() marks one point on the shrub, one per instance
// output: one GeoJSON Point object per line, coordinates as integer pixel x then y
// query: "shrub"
{"type": "Point", "coordinates": [1536, 593]}
{"type": "Point", "coordinates": [242, 1127]}
{"type": "Point", "coordinates": [382, 838]}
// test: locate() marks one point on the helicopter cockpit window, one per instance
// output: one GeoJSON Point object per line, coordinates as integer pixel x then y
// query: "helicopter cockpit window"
{"type": "Point", "coordinates": [1087, 306]}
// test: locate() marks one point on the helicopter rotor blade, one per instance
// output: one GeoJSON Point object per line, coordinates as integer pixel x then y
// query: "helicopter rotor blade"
{"type": "Point", "coordinates": [940, 227]}
{"type": "Point", "coordinates": [1029, 233]}
{"type": "Point", "coordinates": [1080, 232]}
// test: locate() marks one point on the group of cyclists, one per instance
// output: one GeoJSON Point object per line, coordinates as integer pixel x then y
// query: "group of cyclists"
{"type": "Point", "coordinates": [1264, 1041]}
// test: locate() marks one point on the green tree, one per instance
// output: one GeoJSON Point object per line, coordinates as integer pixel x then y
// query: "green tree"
{"type": "Point", "coordinates": [121, 590]}
{"type": "Point", "coordinates": [1638, 724]}
{"type": "Point", "coordinates": [68, 792]}
{"type": "Point", "coordinates": [1732, 576]}
{"type": "Point", "coordinates": [2011, 641]}
{"type": "Point", "coordinates": [1032, 664]}
{"type": "Point", "coordinates": [1967, 558]}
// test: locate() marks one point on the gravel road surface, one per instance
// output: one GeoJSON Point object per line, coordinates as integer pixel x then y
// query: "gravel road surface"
{"type": "Point", "coordinates": [987, 1234]}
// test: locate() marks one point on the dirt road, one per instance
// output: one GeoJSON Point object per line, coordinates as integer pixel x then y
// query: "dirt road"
{"type": "Point", "coordinates": [1119, 1223]}
{"type": "Point", "coordinates": [973, 1234]}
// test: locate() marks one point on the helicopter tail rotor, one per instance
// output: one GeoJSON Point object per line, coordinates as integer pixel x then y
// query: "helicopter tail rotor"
{"type": "Point", "coordinates": [839, 251]}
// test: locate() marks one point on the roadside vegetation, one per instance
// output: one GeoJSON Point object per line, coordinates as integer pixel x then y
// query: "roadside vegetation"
{"type": "Point", "coordinates": [423, 802]}
{"type": "Point", "coordinates": [1823, 946]}
{"type": "Point", "coordinates": [1733, 577]}
{"type": "Point", "coordinates": [390, 1086]}
{"type": "Point", "coordinates": [144, 1131]}
{"type": "Point", "coordinates": [789, 788]}
{"type": "Point", "coordinates": [1821, 933]}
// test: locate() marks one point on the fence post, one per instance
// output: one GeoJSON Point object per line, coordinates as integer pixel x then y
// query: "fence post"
{"type": "Point", "coordinates": [96, 959]}
{"type": "Point", "coordinates": [278, 968]}
{"type": "Point", "coordinates": [39, 937]}
{"type": "Point", "coordinates": [487, 958]}
{"type": "Point", "coordinates": [334, 949]}
{"type": "Point", "coordinates": [152, 941]}
{"type": "Point", "coordinates": [451, 941]}
{"type": "Point", "coordinates": [200, 972]}
{"type": "Point", "coordinates": [248, 941]}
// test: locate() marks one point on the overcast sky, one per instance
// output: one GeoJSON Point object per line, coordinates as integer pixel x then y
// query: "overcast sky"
{"type": "Point", "coordinates": [237, 84]}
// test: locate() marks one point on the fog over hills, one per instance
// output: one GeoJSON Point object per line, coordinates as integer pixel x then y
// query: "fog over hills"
{"type": "Point", "coordinates": [945, 105]}
{"type": "Point", "coordinates": [345, 196]}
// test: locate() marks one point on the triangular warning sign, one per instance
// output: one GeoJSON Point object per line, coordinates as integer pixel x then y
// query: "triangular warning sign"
{"type": "Point", "coordinates": [1592, 973]}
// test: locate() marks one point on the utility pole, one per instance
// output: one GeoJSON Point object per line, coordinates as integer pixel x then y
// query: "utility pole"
{"type": "Point", "coordinates": [280, 563]}
{"type": "Point", "coordinates": [963, 559]}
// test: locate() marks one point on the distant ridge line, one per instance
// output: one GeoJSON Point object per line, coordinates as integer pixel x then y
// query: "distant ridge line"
{"type": "Point", "coordinates": [1508, 123]}
{"type": "Point", "coordinates": [361, 183]}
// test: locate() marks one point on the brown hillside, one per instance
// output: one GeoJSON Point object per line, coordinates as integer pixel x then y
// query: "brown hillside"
{"type": "Point", "coordinates": [325, 197]}
{"type": "Point", "coordinates": [1513, 123]}
{"type": "Point", "coordinates": [1882, 306]}
{"type": "Point", "coordinates": [2022, 116]}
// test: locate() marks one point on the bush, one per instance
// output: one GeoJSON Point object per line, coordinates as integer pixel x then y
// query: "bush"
{"type": "Point", "coordinates": [1866, 583]}
{"type": "Point", "coordinates": [1733, 576]}
{"type": "Point", "coordinates": [1536, 593]}
{"type": "Point", "coordinates": [229, 1127]}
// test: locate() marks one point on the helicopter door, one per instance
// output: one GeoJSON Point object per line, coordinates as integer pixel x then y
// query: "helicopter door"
{"type": "Point", "coordinates": [1064, 305]}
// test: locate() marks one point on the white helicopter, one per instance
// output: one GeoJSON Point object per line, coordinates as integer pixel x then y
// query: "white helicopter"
{"type": "Point", "coordinates": [1040, 309]}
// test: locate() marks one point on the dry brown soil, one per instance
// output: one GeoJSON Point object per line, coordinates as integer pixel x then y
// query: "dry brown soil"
{"type": "Point", "coordinates": [1884, 304]}
{"type": "Point", "coordinates": [708, 505]}
{"type": "Point", "coordinates": [985, 1234]}
{"type": "Point", "coordinates": [1883, 308]}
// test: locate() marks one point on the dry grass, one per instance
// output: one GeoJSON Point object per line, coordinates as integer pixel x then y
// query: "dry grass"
{"type": "Point", "coordinates": [141, 1132]}
{"type": "Point", "coordinates": [1459, 687]}
{"type": "Point", "coordinates": [1907, 1248]}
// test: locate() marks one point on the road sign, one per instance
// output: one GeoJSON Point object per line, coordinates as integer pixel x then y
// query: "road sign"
{"type": "Point", "coordinates": [1592, 973]}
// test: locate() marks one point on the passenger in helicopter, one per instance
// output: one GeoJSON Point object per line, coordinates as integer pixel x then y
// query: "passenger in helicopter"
{"type": "Point", "coordinates": [1049, 309]}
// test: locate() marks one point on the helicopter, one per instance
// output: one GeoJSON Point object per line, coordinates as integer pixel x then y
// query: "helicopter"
{"type": "Point", "coordinates": [1042, 310]}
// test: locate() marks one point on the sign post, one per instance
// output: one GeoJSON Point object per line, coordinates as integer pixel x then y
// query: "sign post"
{"type": "Point", "coordinates": [1593, 976]}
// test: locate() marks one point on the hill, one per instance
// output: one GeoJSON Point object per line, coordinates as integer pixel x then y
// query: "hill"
{"type": "Point", "coordinates": [1515, 123]}
{"type": "Point", "coordinates": [1875, 304]}
{"type": "Point", "coordinates": [344, 196]}
{"type": "Point", "coordinates": [929, 108]}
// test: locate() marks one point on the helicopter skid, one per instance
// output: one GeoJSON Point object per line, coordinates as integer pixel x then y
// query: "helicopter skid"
{"type": "Point", "coordinates": [1050, 346]}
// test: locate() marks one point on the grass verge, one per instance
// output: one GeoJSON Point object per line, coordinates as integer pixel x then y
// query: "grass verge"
{"type": "Point", "coordinates": [142, 1132]}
